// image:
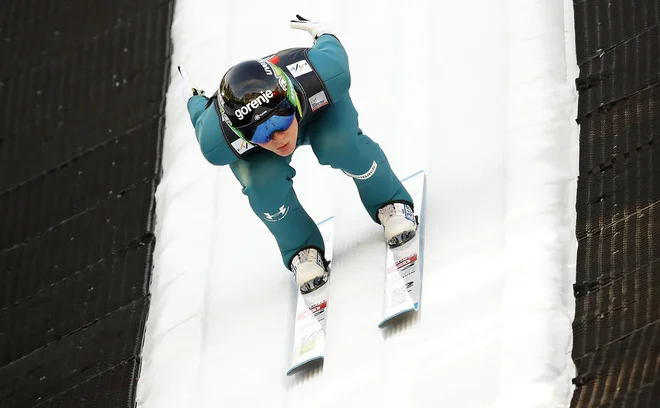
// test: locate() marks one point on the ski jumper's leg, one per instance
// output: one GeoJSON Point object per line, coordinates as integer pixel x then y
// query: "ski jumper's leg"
{"type": "Point", "coordinates": [337, 140]}
{"type": "Point", "coordinates": [267, 181]}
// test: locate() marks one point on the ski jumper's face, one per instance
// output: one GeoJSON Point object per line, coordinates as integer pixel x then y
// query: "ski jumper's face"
{"type": "Point", "coordinates": [283, 143]}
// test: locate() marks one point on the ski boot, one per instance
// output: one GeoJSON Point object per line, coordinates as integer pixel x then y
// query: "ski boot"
{"type": "Point", "coordinates": [399, 222]}
{"type": "Point", "coordinates": [310, 269]}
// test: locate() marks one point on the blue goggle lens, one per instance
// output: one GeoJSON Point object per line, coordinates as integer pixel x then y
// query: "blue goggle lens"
{"type": "Point", "coordinates": [275, 123]}
{"type": "Point", "coordinates": [280, 119]}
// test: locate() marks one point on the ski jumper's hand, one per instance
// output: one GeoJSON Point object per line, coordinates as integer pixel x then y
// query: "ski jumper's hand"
{"type": "Point", "coordinates": [187, 90]}
{"type": "Point", "coordinates": [315, 28]}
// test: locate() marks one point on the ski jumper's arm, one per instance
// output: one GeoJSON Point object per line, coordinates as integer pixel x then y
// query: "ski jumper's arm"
{"type": "Point", "coordinates": [207, 131]}
{"type": "Point", "coordinates": [331, 61]}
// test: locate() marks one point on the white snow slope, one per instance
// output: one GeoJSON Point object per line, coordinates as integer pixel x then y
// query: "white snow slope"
{"type": "Point", "coordinates": [483, 92]}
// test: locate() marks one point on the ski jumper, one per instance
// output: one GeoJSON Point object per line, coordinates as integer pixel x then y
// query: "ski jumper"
{"type": "Point", "coordinates": [329, 124]}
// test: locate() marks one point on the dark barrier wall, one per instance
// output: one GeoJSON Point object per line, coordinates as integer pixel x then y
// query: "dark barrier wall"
{"type": "Point", "coordinates": [82, 95]}
{"type": "Point", "coordinates": [617, 321]}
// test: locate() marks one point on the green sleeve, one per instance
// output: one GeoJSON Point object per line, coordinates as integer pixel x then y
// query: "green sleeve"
{"type": "Point", "coordinates": [196, 105]}
{"type": "Point", "coordinates": [208, 133]}
{"type": "Point", "coordinates": [331, 62]}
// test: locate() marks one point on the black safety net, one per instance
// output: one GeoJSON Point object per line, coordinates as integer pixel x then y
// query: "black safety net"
{"type": "Point", "coordinates": [617, 321]}
{"type": "Point", "coordinates": [82, 96]}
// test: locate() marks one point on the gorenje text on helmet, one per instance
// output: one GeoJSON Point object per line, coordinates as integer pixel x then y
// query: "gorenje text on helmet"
{"type": "Point", "coordinates": [254, 104]}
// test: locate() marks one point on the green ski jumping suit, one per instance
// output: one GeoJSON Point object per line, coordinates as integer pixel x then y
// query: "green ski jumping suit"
{"type": "Point", "coordinates": [329, 124]}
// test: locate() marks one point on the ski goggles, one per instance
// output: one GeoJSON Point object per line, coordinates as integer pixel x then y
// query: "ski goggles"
{"type": "Point", "coordinates": [278, 120]}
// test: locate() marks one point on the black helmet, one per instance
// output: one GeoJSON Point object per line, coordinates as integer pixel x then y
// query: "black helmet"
{"type": "Point", "coordinates": [251, 90]}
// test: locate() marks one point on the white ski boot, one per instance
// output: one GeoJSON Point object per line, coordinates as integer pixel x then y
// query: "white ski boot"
{"type": "Point", "coordinates": [399, 222]}
{"type": "Point", "coordinates": [309, 269]}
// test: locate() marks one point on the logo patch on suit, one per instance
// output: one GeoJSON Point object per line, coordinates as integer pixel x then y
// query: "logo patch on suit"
{"type": "Point", "coordinates": [299, 68]}
{"type": "Point", "coordinates": [366, 175]}
{"type": "Point", "coordinates": [241, 146]}
{"type": "Point", "coordinates": [318, 100]}
{"type": "Point", "coordinates": [278, 215]}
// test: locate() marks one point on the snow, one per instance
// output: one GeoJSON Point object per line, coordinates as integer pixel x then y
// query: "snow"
{"type": "Point", "coordinates": [483, 91]}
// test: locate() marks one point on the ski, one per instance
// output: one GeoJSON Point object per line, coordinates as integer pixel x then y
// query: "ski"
{"type": "Point", "coordinates": [403, 272]}
{"type": "Point", "coordinates": [311, 316]}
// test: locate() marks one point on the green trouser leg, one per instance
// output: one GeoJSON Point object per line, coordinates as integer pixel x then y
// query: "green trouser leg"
{"type": "Point", "coordinates": [267, 180]}
{"type": "Point", "coordinates": [337, 140]}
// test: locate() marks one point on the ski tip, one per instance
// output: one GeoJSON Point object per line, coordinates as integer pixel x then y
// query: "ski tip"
{"type": "Point", "coordinates": [387, 321]}
{"type": "Point", "coordinates": [305, 365]}
{"type": "Point", "coordinates": [412, 175]}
